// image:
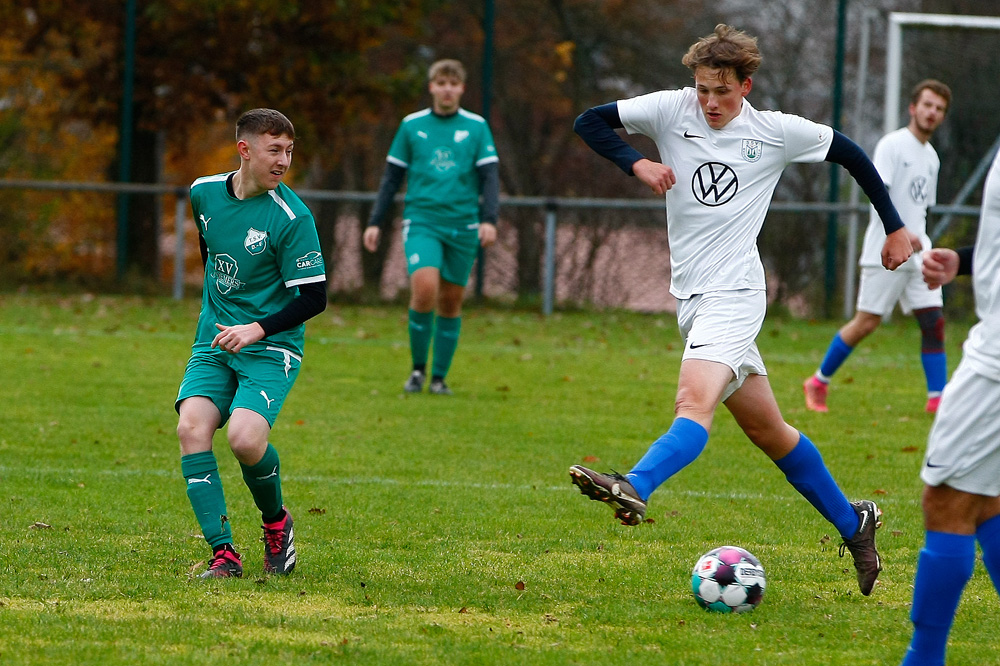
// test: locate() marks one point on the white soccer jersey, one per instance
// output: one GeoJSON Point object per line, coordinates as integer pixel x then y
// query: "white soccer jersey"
{"type": "Point", "coordinates": [982, 348]}
{"type": "Point", "coordinates": [909, 170]}
{"type": "Point", "coordinates": [725, 179]}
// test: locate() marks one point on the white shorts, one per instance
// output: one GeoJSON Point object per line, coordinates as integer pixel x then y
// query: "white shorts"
{"type": "Point", "coordinates": [723, 326]}
{"type": "Point", "coordinates": [880, 289]}
{"type": "Point", "coordinates": [963, 449]}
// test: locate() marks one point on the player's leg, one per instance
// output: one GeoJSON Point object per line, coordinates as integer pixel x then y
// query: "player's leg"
{"type": "Point", "coordinates": [988, 536]}
{"type": "Point", "coordinates": [198, 419]}
{"type": "Point", "coordinates": [877, 295]}
{"type": "Point", "coordinates": [266, 379]}
{"type": "Point", "coordinates": [424, 251]}
{"type": "Point", "coordinates": [944, 566]}
{"type": "Point", "coordinates": [459, 251]}
{"type": "Point", "coordinates": [926, 306]}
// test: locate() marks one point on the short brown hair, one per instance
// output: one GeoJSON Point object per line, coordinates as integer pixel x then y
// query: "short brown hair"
{"type": "Point", "coordinates": [727, 49]}
{"type": "Point", "coordinates": [935, 87]}
{"type": "Point", "coordinates": [447, 67]}
{"type": "Point", "coordinates": [263, 121]}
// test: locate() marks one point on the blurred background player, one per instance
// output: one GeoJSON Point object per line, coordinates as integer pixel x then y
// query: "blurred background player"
{"type": "Point", "coordinates": [448, 158]}
{"type": "Point", "coordinates": [909, 167]}
{"type": "Point", "coordinates": [961, 498]}
{"type": "Point", "coordinates": [264, 277]}
{"type": "Point", "coordinates": [726, 158]}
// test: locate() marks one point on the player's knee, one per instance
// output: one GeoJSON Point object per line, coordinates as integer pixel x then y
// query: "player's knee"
{"type": "Point", "coordinates": [931, 322]}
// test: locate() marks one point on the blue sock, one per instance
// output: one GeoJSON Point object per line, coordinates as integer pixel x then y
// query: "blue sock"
{"type": "Point", "coordinates": [943, 568]}
{"type": "Point", "coordinates": [805, 470]}
{"type": "Point", "coordinates": [988, 535]}
{"type": "Point", "coordinates": [935, 370]}
{"type": "Point", "coordinates": [672, 452]}
{"type": "Point", "coordinates": [836, 354]}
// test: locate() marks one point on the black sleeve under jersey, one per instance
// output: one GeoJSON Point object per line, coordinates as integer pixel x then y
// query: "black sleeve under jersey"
{"type": "Point", "coordinates": [203, 248]}
{"type": "Point", "coordinates": [597, 125]}
{"type": "Point", "coordinates": [392, 180]}
{"type": "Point", "coordinates": [849, 155]}
{"type": "Point", "coordinates": [489, 179]}
{"type": "Point", "coordinates": [309, 303]}
{"type": "Point", "coordinates": [965, 259]}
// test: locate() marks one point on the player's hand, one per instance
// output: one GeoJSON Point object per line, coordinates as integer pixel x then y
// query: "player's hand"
{"type": "Point", "coordinates": [897, 249]}
{"type": "Point", "coordinates": [940, 266]}
{"type": "Point", "coordinates": [487, 234]}
{"type": "Point", "coordinates": [234, 338]}
{"type": "Point", "coordinates": [659, 177]}
{"type": "Point", "coordinates": [915, 241]}
{"type": "Point", "coordinates": [371, 238]}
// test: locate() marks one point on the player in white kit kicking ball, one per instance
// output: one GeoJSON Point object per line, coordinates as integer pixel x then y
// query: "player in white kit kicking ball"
{"type": "Point", "coordinates": [723, 159]}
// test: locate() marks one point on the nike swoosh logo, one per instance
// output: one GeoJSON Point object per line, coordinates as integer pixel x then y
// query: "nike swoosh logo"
{"type": "Point", "coordinates": [705, 344]}
{"type": "Point", "coordinates": [688, 135]}
{"type": "Point", "coordinates": [936, 466]}
{"type": "Point", "coordinates": [864, 520]}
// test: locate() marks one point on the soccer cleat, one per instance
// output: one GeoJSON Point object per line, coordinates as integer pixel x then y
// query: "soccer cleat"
{"type": "Point", "coordinates": [279, 546]}
{"type": "Point", "coordinates": [815, 391]}
{"type": "Point", "coordinates": [224, 564]}
{"type": "Point", "coordinates": [612, 489]}
{"type": "Point", "coordinates": [438, 387]}
{"type": "Point", "coordinates": [932, 404]}
{"type": "Point", "coordinates": [862, 544]}
{"type": "Point", "coordinates": [415, 383]}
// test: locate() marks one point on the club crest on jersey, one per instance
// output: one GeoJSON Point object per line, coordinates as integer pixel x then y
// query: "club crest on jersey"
{"type": "Point", "coordinates": [461, 135]}
{"type": "Point", "coordinates": [752, 148]}
{"type": "Point", "coordinates": [918, 190]}
{"type": "Point", "coordinates": [255, 241]}
{"type": "Point", "coordinates": [714, 184]}
{"type": "Point", "coordinates": [225, 271]}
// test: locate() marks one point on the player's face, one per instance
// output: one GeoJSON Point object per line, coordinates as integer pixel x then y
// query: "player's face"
{"type": "Point", "coordinates": [446, 92]}
{"type": "Point", "coordinates": [720, 95]}
{"type": "Point", "coordinates": [269, 158]}
{"type": "Point", "coordinates": [928, 112]}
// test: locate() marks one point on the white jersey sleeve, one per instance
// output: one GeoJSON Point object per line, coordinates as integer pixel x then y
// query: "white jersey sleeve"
{"type": "Point", "coordinates": [982, 348]}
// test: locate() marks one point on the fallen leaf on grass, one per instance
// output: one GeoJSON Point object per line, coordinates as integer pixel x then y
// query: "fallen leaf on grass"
{"type": "Point", "coordinates": [40, 526]}
{"type": "Point", "coordinates": [519, 585]}
{"type": "Point", "coordinates": [317, 510]}
{"type": "Point", "coordinates": [910, 449]}
{"type": "Point", "coordinates": [591, 459]}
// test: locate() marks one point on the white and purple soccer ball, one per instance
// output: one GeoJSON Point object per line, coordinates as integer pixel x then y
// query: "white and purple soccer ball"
{"type": "Point", "coordinates": [728, 580]}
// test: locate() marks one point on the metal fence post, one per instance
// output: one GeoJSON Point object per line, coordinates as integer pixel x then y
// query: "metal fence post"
{"type": "Point", "coordinates": [180, 212]}
{"type": "Point", "coordinates": [549, 288]}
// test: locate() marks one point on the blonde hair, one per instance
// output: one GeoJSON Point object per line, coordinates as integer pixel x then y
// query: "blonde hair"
{"type": "Point", "coordinates": [726, 49]}
{"type": "Point", "coordinates": [447, 67]}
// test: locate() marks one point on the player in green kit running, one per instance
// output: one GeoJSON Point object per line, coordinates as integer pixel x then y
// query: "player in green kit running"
{"type": "Point", "coordinates": [264, 277]}
{"type": "Point", "coordinates": [448, 158]}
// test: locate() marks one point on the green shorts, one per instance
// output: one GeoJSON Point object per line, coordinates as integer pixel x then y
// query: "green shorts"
{"type": "Point", "coordinates": [450, 249]}
{"type": "Point", "coordinates": [257, 380]}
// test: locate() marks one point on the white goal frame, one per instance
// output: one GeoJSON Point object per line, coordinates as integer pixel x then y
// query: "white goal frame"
{"type": "Point", "coordinates": [894, 48]}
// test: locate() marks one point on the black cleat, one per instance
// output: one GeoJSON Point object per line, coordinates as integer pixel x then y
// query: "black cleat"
{"type": "Point", "coordinates": [612, 489]}
{"type": "Point", "coordinates": [415, 383]}
{"type": "Point", "coordinates": [279, 546]}
{"type": "Point", "coordinates": [438, 387]}
{"type": "Point", "coordinates": [224, 564]}
{"type": "Point", "coordinates": [862, 545]}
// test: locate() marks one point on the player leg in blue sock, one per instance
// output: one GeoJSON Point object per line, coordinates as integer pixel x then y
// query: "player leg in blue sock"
{"type": "Point", "coordinates": [805, 470]}
{"type": "Point", "coordinates": [988, 535]}
{"type": "Point", "coordinates": [673, 451]}
{"type": "Point", "coordinates": [943, 568]}
{"type": "Point", "coordinates": [932, 354]}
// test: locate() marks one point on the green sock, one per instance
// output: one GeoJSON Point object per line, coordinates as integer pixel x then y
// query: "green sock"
{"type": "Point", "coordinates": [264, 482]}
{"type": "Point", "coordinates": [421, 328]}
{"type": "Point", "coordinates": [204, 489]}
{"type": "Point", "coordinates": [445, 343]}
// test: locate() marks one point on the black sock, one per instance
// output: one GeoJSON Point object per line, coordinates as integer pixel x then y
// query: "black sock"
{"type": "Point", "coordinates": [420, 367]}
{"type": "Point", "coordinates": [437, 378]}
{"type": "Point", "coordinates": [277, 517]}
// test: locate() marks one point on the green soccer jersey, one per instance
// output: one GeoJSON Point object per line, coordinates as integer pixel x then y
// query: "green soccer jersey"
{"type": "Point", "coordinates": [441, 155]}
{"type": "Point", "coordinates": [259, 250]}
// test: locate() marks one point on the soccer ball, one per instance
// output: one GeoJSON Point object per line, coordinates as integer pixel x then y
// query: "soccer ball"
{"type": "Point", "coordinates": [728, 580]}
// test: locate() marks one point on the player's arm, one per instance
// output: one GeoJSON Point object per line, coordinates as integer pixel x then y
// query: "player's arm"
{"type": "Point", "coordinates": [843, 151]}
{"type": "Point", "coordinates": [392, 180]}
{"type": "Point", "coordinates": [310, 301]}
{"type": "Point", "coordinates": [941, 265]}
{"type": "Point", "coordinates": [489, 211]}
{"type": "Point", "coordinates": [597, 125]}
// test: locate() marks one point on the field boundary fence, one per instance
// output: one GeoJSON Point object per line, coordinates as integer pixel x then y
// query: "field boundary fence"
{"type": "Point", "coordinates": [572, 252]}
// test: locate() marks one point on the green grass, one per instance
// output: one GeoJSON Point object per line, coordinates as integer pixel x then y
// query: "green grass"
{"type": "Point", "coordinates": [435, 530]}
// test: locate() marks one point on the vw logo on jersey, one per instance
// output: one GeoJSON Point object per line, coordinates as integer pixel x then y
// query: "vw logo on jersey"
{"type": "Point", "coordinates": [751, 150]}
{"type": "Point", "coordinates": [714, 183]}
{"type": "Point", "coordinates": [918, 189]}
{"type": "Point", "coordinates": [255, 241]}
{"type": "Point", "coordinates": [443, 159]}
{"type": "Point", "coordinates": [226, 269]}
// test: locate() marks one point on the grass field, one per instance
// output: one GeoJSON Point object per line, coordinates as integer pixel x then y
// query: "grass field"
{"type": "Point", "coordinates": [445, 530]}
